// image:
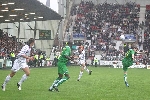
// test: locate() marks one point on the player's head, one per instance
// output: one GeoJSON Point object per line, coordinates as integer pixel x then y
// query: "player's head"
{"type": "Point", "coordinates": [134, 47]}
{"type": "Point", "coordinates": [80, 49]}
{"type": "Point", "coordinates": [30, 42]}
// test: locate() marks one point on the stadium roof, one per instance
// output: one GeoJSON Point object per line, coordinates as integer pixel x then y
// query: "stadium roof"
{"type": "Point", "coordinates": [25, 11]}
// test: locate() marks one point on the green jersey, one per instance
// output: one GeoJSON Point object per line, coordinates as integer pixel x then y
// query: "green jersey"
{"type": "Point", "coordinates": [128, 55]}
{"type": "Point", "coordinates": [128, 61]}
{"type": "Point", "coordinates": [66, 52]}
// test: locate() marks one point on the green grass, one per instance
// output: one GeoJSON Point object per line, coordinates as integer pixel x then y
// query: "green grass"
{"type": "Point", "coordinates": [103, 84]}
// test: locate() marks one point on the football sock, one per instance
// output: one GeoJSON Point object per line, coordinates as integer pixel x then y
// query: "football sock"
{"type": "Point", "coordinates": [80, 75]}
{"type": "Point", "coordinates": [24, 77]}
{"type": "Point", "coordinates": [61, 81]}
{"type": "Point", "coordinates": [55, 82]}
{"type": "Point", "coordinates": [86, 69]}
{"type": "Point", "coordinates": [125, 77]}
{"type": "Point", "coordinates": [6, 80]}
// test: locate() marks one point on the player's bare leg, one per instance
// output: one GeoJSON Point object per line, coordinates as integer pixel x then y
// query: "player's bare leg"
{"type": "Point", "coordinates": [24, 77]}
{"type": "Point", "coordinates": [83, 67]}
{"type": "Point", "coordinates": [81, 72]}
{"type": "Point", "coordinates": [7, 79]}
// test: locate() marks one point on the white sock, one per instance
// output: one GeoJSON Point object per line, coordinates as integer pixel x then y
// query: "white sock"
{"type": "Point", "coordinates": [86, 69]}
{"type": "Point", "coordinates": [53, 84]}
{"type": "Point", "coordinates": [80, 75]}
{"type": "Point", "coordinates": [7, 79]}
{"type": "Point", "coordinates": [125, 79]}
{"type": "Point", "coordinates": [24, 77]}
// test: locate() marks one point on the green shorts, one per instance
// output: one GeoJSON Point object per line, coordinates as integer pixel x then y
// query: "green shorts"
{"type": "Point", "coordinates": [126, 64]}
{"type": "Point", "coordinates": [62, 68]}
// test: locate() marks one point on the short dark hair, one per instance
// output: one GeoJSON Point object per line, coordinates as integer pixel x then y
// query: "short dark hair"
{"type": "Point", "coordinates": [31, 40]}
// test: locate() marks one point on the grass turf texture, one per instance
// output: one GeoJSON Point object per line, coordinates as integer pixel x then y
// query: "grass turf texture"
{"type": "Point", "coordinates": [103, 84]}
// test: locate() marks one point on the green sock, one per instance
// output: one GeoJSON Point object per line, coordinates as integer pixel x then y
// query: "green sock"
{"type": "Point", "coordinates": [125, 77]}
{"type": "Point", "coordinates": [61, 81]}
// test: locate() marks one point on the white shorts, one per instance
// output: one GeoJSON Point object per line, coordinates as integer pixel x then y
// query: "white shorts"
{"type": "Point", "coordinates": [18, 64]}
{"type": "Point", "coordinates": [81, 62]}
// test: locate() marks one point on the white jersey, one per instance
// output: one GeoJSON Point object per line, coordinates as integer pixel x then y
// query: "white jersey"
{"type": "Point", "coordinates": [20, 61]}
{"type": "Point", "coordinates": [81, 56]}
{"type": "Point", "coordinates": [24, 51]}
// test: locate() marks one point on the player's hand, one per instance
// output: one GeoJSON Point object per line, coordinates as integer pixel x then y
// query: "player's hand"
{"type": "Point", "coordinates": [31, 58]}
{"type": "Point", "coordinates": [137, 63]}
{"type": "Point", "coordinates": [76, 57]}
{"type": "Point", "coordinates": [27, 60]}
{"type": "Point", "coordinates": [72, 58]}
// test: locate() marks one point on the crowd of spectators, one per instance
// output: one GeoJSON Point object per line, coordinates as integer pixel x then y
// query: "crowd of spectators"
{"type": "Point", "coordinates": [104, 23]}
{"type": "Point", "coordinates": [146, 45]}
{"type": "Point", "coordinates": [8, 44]}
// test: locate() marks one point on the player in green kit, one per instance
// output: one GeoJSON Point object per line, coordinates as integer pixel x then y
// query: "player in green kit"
{"type": "Point", "coordinates": [128, 61]}
{"type": "Point", "coordinates": [62, 68]}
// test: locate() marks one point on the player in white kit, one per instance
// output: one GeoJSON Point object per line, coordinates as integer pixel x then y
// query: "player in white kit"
{"type": "Point", "coordinates": [21, 63]}
{"type": "Point", "coordinates": [81, 58]}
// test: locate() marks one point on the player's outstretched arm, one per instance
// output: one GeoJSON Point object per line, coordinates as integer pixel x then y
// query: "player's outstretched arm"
{"type": "Point", "coordinates": [27, 57]}
{"type": "Point", "coordinates": [68, 57]}
{"type": "Point", "coordinates": [75, 57]}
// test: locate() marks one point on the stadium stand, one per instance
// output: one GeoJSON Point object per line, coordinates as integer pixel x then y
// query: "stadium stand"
{"type": "Point", "coordinates": [8, 44]}
{"type": "Point", "coordinates": [102, 25]}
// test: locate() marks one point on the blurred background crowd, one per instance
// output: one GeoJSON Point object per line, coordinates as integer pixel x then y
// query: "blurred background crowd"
{"type": "Point", "coordinates": [99, 27]}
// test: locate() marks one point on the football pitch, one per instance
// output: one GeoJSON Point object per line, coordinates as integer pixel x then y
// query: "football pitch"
{"type": "Point", "coordinates": [103, 84]}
